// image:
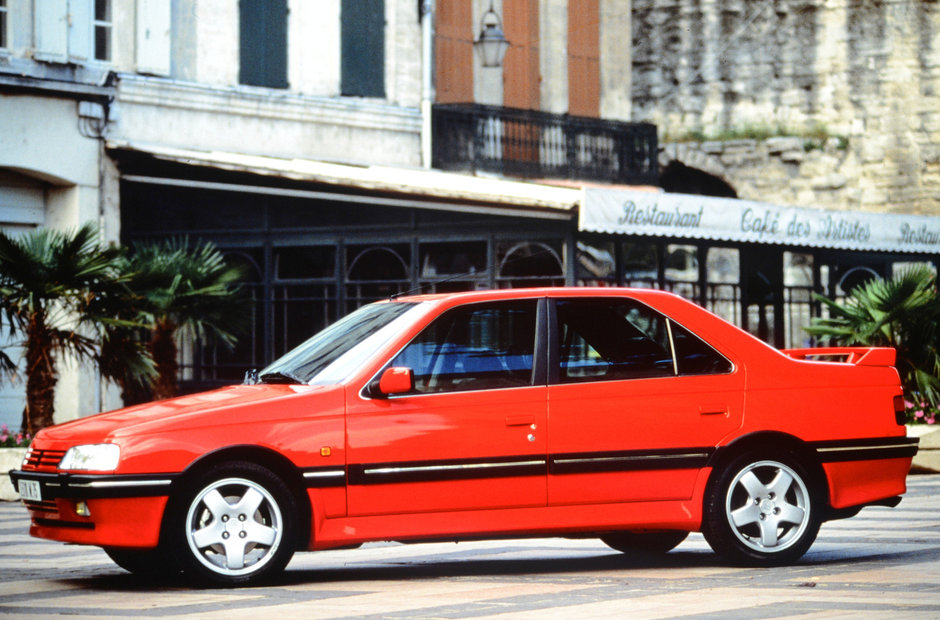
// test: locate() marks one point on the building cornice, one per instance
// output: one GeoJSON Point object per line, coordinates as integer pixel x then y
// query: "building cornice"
{"type": "Point", "coordinates": [266, 103]}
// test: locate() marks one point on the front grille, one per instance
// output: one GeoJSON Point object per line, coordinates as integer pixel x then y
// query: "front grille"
{"type": "Point", "coordinates": [42, 460]}
{"type": "Point", "coordinates": [48, 505]}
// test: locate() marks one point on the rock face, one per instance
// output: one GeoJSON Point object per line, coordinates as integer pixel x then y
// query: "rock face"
{"type": "Point", "coordinates": [852, 89]}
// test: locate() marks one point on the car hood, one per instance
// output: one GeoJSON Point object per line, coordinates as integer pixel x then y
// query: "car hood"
{"type": "Point", "coordinates": [193, 410]}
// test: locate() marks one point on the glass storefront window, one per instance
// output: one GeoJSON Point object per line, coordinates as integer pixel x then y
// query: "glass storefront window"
{"type": "Point", "coordinates": [723, 274]}
{"type": "Point", "coordinates": [723, 265]}
{"type": "Point", "coordinates": [529, 263]}
{"type": "Point", "coordinates": [640, 264]}
{"type": "Point", "coordinates": [900, 268]}
{"type": "Point", "coordinates": [451, 267]}
{"type": "Point", "coordinates": [597, 263]}
{"type": "Point", "coordinates": [797, 269]}
{"type": "Point", "coordinates": [681, 263]}
{"type": "Point", "coordinates": [681, 270]}
{"type": "Point", "coordinates": [374, 272]}
{"type": "Point", "coordinates": [452, 259]}
{"type": "Point", "coordinates": [797, 298]}
{"type": "Point", "coordinates": [302, 263]}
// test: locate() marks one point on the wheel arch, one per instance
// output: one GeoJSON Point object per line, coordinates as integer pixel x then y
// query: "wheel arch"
{"type": "Point", "coordinates": [265, 457]}
{"type": "Point", "coordinates": [773, 442]}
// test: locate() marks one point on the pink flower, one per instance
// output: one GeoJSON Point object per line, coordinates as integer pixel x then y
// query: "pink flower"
{"type": "Point", "coordinates": [918, 414]}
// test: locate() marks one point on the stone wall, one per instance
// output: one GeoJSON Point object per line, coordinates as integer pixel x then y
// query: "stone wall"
{"type": "Point", "coordinates": [857, 81]}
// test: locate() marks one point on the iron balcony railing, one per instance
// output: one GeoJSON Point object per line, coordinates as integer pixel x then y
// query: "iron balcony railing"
{"type": "Point", "coordinates": [529, 143]}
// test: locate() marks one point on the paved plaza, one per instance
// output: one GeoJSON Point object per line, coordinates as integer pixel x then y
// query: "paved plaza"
{"type": "Point", "coordinates": [882, 563]}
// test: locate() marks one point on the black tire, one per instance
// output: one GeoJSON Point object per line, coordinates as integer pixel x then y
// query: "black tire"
{"type": "Point", "coordinates": [762, 511]}
{"type": "Point", "coordinates": [235, 524]}
{"type": "Point", "coordinates": [145, 562]}
{"type": "Point", "coordinates": [645, 543]}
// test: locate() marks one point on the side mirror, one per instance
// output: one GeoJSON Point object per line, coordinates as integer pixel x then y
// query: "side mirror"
{"type": "Point", "coordinates": [394, 380]}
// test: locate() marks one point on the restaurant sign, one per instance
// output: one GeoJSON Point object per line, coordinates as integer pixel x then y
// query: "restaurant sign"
{"type": "Point", "coordinates": [686, 216]}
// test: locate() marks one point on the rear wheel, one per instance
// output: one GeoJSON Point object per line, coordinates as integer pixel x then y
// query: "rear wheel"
{"type": "Point", "coordinates": [235, 524]}
{"type": "Point", "coordinates": [647, 543]}
{"type": "Point", "coordinates": [762, 511]}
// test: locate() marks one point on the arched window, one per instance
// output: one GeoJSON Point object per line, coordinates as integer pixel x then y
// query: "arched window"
{"type": "Point", "coordinates": [376, 272]}
{"type": "Point", "coordinates": [529, 263]}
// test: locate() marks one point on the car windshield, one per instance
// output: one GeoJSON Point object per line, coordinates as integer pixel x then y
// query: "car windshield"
{"type": "Point", "coordinates": [329, 356]}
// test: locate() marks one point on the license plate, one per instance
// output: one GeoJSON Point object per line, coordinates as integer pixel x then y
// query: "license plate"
{"type": "Point", "coordinates": [29, 489]}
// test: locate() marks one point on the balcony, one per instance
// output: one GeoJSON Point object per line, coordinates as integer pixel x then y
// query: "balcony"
{"type": "Point", "coordinates": [533, 144]}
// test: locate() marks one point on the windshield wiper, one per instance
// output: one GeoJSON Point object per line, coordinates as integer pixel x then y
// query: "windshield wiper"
{"type": "Point", "coordinates": [280, 376]}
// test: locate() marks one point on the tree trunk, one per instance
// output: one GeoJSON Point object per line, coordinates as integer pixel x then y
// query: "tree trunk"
{"type": "Point", "coordinates": [163, 350]}
{"type": "Point", "coordinates": [40, 376]}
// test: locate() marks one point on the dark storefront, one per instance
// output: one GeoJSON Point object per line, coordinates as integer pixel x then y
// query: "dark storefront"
{"type": "Point", "coordinates": [314, 250]}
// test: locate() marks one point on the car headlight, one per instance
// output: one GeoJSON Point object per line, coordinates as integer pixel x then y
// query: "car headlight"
{"type": "Point", "coordinates": [91, 457]}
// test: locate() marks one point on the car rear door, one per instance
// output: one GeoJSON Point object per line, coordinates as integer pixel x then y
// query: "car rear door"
{"type": "Point", "coordinates": [471, 435]}
{"type": "Point", "coordinates": [636, 403]}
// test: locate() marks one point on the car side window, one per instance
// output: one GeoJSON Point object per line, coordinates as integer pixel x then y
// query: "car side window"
{"type": "Point", "coordinates": [617, 339]}
{"type": "Point", "coordinates": [474, 347]}
{"type": "Point", "coordinates": [694, 356]}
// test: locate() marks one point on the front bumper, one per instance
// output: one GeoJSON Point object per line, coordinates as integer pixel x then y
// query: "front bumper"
{"type": "Point", "coordinates": [94, 486]}
{"type": "Point", "coordinates": [107, 510]}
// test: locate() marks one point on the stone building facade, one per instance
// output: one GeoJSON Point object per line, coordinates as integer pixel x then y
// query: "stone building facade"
{"type": "Point", "coordinates": [855, 83]}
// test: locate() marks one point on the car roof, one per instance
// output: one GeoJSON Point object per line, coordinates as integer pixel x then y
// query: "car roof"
{"type": "Point", "coordinates": [523, 293]}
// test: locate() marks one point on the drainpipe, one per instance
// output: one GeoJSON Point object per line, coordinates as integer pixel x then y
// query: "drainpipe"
{"type": "Point", "coordinates": [427, 78]}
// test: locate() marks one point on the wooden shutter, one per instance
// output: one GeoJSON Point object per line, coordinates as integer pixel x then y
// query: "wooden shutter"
{"type": "Point", "coordinates": [51, 28]}
{"type": "Point", "coordinates": [584, 74]}
{"type": "Point", "coordinates": [153, 37]}
{"type": "Point", "coordinates": [81, 36]}
{"type": "Point", "coordinates": [521, 88]}
{"type": "Point", "coordinates": [453, 51]}
{"type": "Point", "coordinates": [362, 59]}
{"type": "Point", "coordinates": [263, 43]}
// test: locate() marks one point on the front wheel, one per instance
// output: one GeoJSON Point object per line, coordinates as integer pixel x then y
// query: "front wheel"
{"type": "Point", "coordinates": [761, 511]}
{"type": "Point", "coordinates": [234, 525]}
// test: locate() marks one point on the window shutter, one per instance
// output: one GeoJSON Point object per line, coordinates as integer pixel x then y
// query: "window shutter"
{"type": "Point", "coordinates": [263, 43]}
{"type": "Point", "coordinates": [363, 48]}
{"type": "Point", "coordinates": [153, 37]}
{"type": "Point", "coordinates": [51, 30]}
{"type": "Point", "coordinates": [584, 77]}
{"type": "Point", "coordinates": [453, 51]}
{"type": "Point", "coordinates": [81, 30]}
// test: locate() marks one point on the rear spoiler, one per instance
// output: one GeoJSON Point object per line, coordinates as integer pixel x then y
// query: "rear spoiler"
{"type": "Point", "coordinates": [860, 356]}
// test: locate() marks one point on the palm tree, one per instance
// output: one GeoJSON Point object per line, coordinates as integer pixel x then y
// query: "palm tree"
{"type": "Point", "coordinates": [48, 281]}
{"type": "Point", "coordinates": [902, 313]}
{"type": "Point", "coordinates": [184, 292]}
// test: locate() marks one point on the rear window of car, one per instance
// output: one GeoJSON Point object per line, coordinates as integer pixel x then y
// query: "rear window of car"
{"type": "Point", "coordinates": [617, 339]}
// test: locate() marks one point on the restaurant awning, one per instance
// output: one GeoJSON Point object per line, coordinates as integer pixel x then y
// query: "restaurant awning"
{"type": "Point", "coordinates": [661, 214]}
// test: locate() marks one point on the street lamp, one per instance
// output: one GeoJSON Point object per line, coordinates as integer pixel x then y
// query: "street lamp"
{"type": "Point", "coordinates": [492, 43]}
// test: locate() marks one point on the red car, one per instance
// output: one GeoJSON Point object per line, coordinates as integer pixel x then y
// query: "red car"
{"type": "Point", "coordinates": [630, 415]}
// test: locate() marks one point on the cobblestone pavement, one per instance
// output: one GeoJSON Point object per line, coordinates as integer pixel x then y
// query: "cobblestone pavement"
{"type": "Point", "coordinates": [883, 562]}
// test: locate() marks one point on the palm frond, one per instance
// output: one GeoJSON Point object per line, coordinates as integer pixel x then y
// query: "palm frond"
{"type": "Point", "coordinates": [903, 313]}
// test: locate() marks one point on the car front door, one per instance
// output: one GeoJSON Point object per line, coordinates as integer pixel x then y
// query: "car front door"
{"type": "Point", "coordinates": [471, 434]}
{"type": "Point", "coordinates": [636, 405]}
